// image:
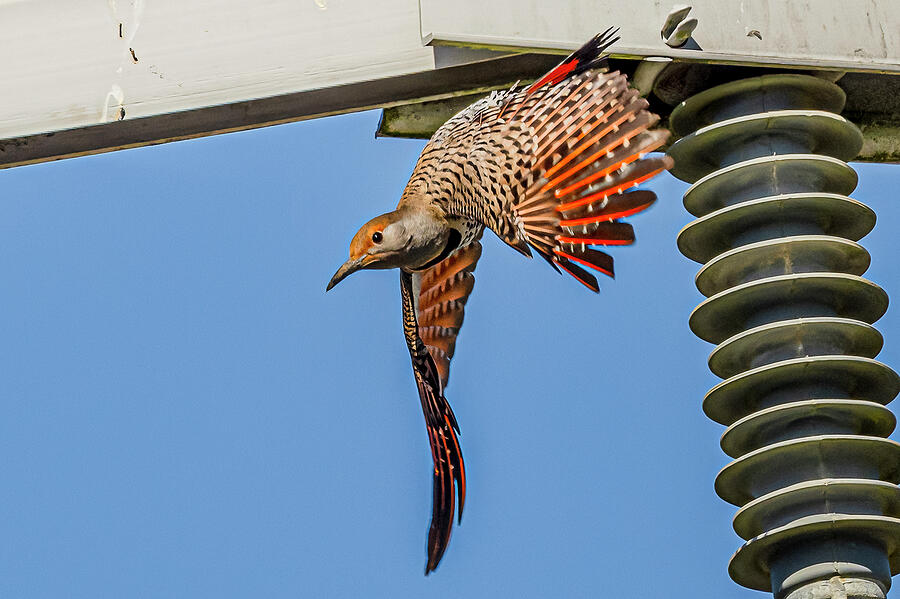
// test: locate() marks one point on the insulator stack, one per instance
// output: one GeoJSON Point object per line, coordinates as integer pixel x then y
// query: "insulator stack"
{"type": "Point", "coordinates": [803, 398]}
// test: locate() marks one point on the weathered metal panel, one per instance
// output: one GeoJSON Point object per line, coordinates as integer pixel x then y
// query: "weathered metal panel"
{"type": "Point", "coordinates": [77, 64]}
{"type": "Point", "coordinates": [851, 34]}
{"type": "Point", "coordinates": [430, 84]}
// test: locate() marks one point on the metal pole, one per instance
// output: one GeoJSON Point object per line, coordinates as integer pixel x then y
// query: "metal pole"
{"type": "Point", "coordinates": [802, 398]}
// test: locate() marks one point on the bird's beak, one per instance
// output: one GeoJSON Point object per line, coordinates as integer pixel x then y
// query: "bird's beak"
{"type": "Point", "coordinates": [347, 268]}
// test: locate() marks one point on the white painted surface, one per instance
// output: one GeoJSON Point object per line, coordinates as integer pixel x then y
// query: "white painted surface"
{"type": "Point", "coordinates": [200, 67]}
{"type": "Point", "coordinates": [848, 34]}
{"type": "Point", "coordinates": [63, 64]}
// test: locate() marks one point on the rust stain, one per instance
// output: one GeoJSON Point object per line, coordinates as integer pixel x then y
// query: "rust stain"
{"type": "Point", "coordinates": [133, 55]}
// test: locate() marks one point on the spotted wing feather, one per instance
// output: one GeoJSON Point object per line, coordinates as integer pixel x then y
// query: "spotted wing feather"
{"type": "Point", "coordinates": [594, 150]}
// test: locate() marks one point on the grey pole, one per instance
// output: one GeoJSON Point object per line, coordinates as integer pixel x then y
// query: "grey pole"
{"type": "Point", "coordinates": [803, 398]}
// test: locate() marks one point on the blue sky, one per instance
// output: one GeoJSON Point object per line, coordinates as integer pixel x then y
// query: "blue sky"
{"type": "Point", "coordinates": [186, 413]}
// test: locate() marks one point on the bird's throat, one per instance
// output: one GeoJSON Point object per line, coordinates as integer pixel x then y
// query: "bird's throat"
{"type": "Point", "coordinates": [453, 241]}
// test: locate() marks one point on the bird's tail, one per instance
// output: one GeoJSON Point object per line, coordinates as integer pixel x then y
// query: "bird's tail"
{"type": "Point", "coordinates": [591, 140]}
{"type": "Point", "coordinates": [589, 56]}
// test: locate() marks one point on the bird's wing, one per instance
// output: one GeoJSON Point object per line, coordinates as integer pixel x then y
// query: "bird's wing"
{"type": "Point", "coordinates": [433, 308]}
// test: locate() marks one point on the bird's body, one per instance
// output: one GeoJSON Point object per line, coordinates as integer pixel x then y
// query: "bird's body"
{"type": "Point", "coordinates": [548, 169]}
{"type": "Point", "coordinates": [461, 170]}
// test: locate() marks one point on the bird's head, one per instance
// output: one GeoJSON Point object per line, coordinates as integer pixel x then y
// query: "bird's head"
{"type": "Point", "coordinates": [401, 238]}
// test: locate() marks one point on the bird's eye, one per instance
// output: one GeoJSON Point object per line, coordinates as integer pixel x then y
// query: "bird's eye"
{"type": "Point", "coordinates": [377, 237]}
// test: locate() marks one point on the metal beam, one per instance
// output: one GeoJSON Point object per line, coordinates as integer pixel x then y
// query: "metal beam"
{"type": "Point", "coordinates": [108, 74]}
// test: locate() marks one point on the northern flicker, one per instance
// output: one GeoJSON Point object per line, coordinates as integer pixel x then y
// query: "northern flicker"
{"type": "Point", "coordinates": [549, 169]}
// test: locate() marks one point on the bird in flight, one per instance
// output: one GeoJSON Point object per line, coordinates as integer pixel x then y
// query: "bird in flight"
{"type": "Point", "coordinates": [550, 169]}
